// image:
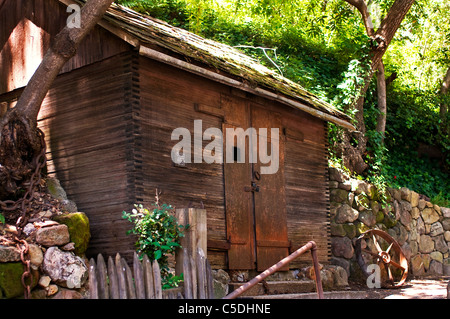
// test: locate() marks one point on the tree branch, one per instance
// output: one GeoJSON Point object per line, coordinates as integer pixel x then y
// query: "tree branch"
{"type": "Point", "coordinates": [367, 19]}
{"type": "Point", "coordinates": [388, 27]}
{"type": "Point", "coordinates": [63, 48]}
{"type": "Point", "coordinates": [445, 83]}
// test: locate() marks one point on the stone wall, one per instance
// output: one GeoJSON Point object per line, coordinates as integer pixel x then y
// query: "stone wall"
{"type": "Point", "coordinates": [421, 228]}
{"type": "Point", "coordinates": [56, 253]}
{"type": "Point", "coordinates": [57, 243]}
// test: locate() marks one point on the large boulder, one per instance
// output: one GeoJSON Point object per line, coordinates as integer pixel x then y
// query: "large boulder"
{"type": "Point", "coordinates": [417, 266]}
{"type": "Point", "coordinates": [346, 214]}
{"type": "Point", "coordinates": [221, 281]}
{"type": "Point", "coordinates": [78, 226]}
{"type": "Point", "coordinates": [65, 268]}
{"type": "Point", "coordinates": [340, 276]}
{"type": "Point", "coordinates": [426, 244]}
{"type": "Point", "coordinates": [446, 223]}
{"type": "Point", "coordinates": [368, 218]}
{"type": "Point", "coordinates": [436, 229]}
{"type": "Point", "coordinates": [9, 254]}
{"type": "Point", "coordinates": [55, 235]}
{"type": "Point", "coordinates": [342, 247]}
{"type": "Point", "coordinates": [430, 215]}
{"type": "Point", "coordinates": [445, 212]}
{"type": "Point", "coordinates": [414, 199]}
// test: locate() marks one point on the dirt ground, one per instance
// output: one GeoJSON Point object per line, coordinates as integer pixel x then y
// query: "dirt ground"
{"type": "Point", "coordinates": [430, 288]}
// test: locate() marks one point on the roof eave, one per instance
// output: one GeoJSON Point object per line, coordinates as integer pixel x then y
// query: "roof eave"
{"type": "Point", "coordinates": [164, 58]}
{"type": "Point", "coordinates": [161, 57]}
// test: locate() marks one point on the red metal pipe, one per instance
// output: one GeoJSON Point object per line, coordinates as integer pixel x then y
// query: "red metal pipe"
{"type": "Point", "coordinates": [269, 271]}
{"type": "Point", "coordinates": [319, 288]}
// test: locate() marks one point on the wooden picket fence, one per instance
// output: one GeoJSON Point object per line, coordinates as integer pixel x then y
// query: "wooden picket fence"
{"type": "Point", "coordinates": [116, 280]}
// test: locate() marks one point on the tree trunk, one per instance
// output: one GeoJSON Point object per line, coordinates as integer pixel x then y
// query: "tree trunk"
{"type": "Point", "coordinates": [443, 106]}
{"type": "Point", "coordinates": [381, 98]}
{"type": "Point", "coordinates": [388, 27]}
{"type": "Point", "coordinates": [20, 140]}
{"type": "Point", "coordinates": [353, 153]}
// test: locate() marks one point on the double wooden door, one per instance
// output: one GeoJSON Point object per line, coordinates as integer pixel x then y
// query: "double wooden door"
{"type": "Point", "coordinates": [255, 201]}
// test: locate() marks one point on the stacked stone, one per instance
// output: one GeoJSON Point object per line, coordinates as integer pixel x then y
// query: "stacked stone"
{"type": "Point", "coordinates": [421, 228]}
{"type": "Point", "coordinates": [56, 248]}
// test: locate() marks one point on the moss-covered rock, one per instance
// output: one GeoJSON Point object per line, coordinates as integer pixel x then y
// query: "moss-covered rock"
{"type": "Point", "coordinates": [350, 230]}
{"type": "Point", "coordinates": [339, 195]}
{"type": "Point", "coordinates": [55, 189]}
{"type": "Point", "coordinates": [389, 220]}
{"type": "Point", "coordinates": [362, 202]}
{"type": "Point", "coordinates": [79, 231]}
{"type": "Point", "coordinates": [11, 280]}
{"type": "Point", "coordinates": [361, 228]}
{"type": "Point", "coordinates": [380, 216]}
{"type": "Point", "coordinates": [338, 229]}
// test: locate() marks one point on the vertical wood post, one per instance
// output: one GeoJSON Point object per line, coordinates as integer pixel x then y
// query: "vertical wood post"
{"type": "Point", "coordinates": [195, 236]}
{"type": "Point", "coordinates": [93, 283]}
{"type": "Point", "coordinates": [103, 289]}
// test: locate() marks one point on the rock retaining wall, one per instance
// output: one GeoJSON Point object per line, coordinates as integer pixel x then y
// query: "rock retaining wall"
{"type": "Point", "coordinates": [421, 228]}
{"type": "Point", "coordinates": [56, 251]}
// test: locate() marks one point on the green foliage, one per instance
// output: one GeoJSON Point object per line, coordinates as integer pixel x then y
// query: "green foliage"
{"type": "Point", "coordinates": [172, 11]}
{"type": "Point", "coordinates": [2, 219]}
{"type": "Point", "coordinates": [171, 281]}
{"type": "Point", "coordinates": [441, 199]}
{"type": "Point", "coordinates": [158, 235]}
{"type": "Point", "coordinates": [353, 80]}
{"type": "Point", "coordinates": [405, 168]}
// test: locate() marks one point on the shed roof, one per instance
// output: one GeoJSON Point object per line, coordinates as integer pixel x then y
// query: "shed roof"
{"type": "Point", "coordinates": [220, 62]}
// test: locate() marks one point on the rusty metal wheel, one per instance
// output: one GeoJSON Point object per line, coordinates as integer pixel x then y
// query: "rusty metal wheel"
{"type": "Point", "coordinates": [378, 247]}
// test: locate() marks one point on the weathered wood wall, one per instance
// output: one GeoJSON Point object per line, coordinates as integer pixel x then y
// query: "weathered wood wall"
{"type": "Point", "coordinates": [167, 102]}
{"type": "Point", "coordinates": [307, 194]}
{"type": "Point", "coordinates": [171, 98]}
{"type": "Point", "coordinates": [86, 117]}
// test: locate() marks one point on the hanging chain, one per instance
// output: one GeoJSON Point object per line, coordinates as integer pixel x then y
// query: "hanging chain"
{"type": "Point", "coordinates": [25, 258]}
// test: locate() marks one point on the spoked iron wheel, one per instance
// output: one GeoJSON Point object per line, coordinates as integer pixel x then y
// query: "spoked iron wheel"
{"type": "Point", "coordinates": [378, 247]}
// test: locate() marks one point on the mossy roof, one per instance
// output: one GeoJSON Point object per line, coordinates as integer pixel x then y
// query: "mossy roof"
{"type": "Point", "coordinates": [217, 56]}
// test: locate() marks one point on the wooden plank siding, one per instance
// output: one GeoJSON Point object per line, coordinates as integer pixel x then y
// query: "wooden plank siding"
{"type": "Point", "coordinates": [87, 117]}
{"type": "Point", "coordinates": [307, 197]}
{"type": "Point", "coordinates": [170, 98]}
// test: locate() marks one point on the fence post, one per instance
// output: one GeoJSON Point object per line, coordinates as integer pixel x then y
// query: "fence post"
{"type": "Point", "coordinates": [201, 274]}
{"type": "Point", "coordinates": [138, 277]}
{"type": "Point", "coordinates": [103, 290]}
{"type": "Point", "coordinates": [93, 283]}
{"type": "Point", "coordinates": [195, 236]}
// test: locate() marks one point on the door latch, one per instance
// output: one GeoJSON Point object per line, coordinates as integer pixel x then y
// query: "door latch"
{"type": "Point", "coordinates": [253, 188]}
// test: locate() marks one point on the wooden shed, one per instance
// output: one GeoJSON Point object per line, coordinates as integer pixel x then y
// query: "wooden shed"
{"type": "Point", "coordinates": [111, 112]}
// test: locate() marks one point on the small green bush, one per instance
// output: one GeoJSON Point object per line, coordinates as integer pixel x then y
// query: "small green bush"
{"type": "Point", "coordinates": [158, 235]}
